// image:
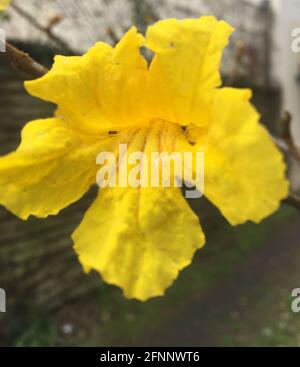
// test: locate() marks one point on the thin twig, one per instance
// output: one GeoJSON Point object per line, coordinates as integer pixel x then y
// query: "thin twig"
{"type": "Point", "coordinates": [111, 33]}
{"type": "Point", "coordinates": [23, 63]}
{"type": "Point", "coordinates": [287, 137]}
{"type": "Point", "coordinates": [293, 200]}
{"type": "Point", "coordinates": [47, 30]}
{"type": "Point", "coordinates": [54, 21]}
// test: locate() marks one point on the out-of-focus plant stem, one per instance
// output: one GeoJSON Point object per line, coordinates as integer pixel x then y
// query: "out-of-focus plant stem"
{"type": "Point", "coordinates": [294, 201]}
{"type": "Point", "coordinates": [23, 63]}
{"type": "Point", "coordinates": [287, 137]}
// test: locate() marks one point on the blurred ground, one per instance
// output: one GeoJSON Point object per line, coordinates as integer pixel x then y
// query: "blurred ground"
{"type": "Point", "coordinates": [233, 295]}
{"type": "Point", "coordinates": [251, 306]}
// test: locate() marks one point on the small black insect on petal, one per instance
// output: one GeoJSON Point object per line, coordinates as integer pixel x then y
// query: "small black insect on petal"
{"type": "Point", "coordinates": [184, 128]}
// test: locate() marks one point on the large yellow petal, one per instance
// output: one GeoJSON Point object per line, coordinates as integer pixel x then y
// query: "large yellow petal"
{"type": "Point", "coordinates": [244, 170]}
{"type": "Point", "coordinates": [101, 90]}
{"type": "Point", "coordinates": [52, 168]}
{"type": "Point", "coordinates": [138, 239]}
{"type": "Point", "coordinates": [185, 68]}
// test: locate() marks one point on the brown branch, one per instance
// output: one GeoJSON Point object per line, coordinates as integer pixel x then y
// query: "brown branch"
{"type": "Point", "coordinates": [23, 63]}
{"type": "Point", "coordinates": [293, 200]}
{"type": "Point", "coordinates": [286, 135]}
{"type": "Point", "coordinates": [111, 33]}
{"type": "Point", "coordinates": [53, 21]}
{"type": "Point", "coordinates": [47, 30]}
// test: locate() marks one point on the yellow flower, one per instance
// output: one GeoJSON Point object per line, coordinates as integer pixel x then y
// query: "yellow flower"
{"type": "Point", "coordinates": [140, 238]}
{"type": "Point", "coordinates": [4, 4]}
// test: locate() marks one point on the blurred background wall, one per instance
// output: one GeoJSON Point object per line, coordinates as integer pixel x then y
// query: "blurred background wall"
{"type": "Point", "coordinates": [73, 27]}
{"type": "Point", "coordinates": [82, 23]}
